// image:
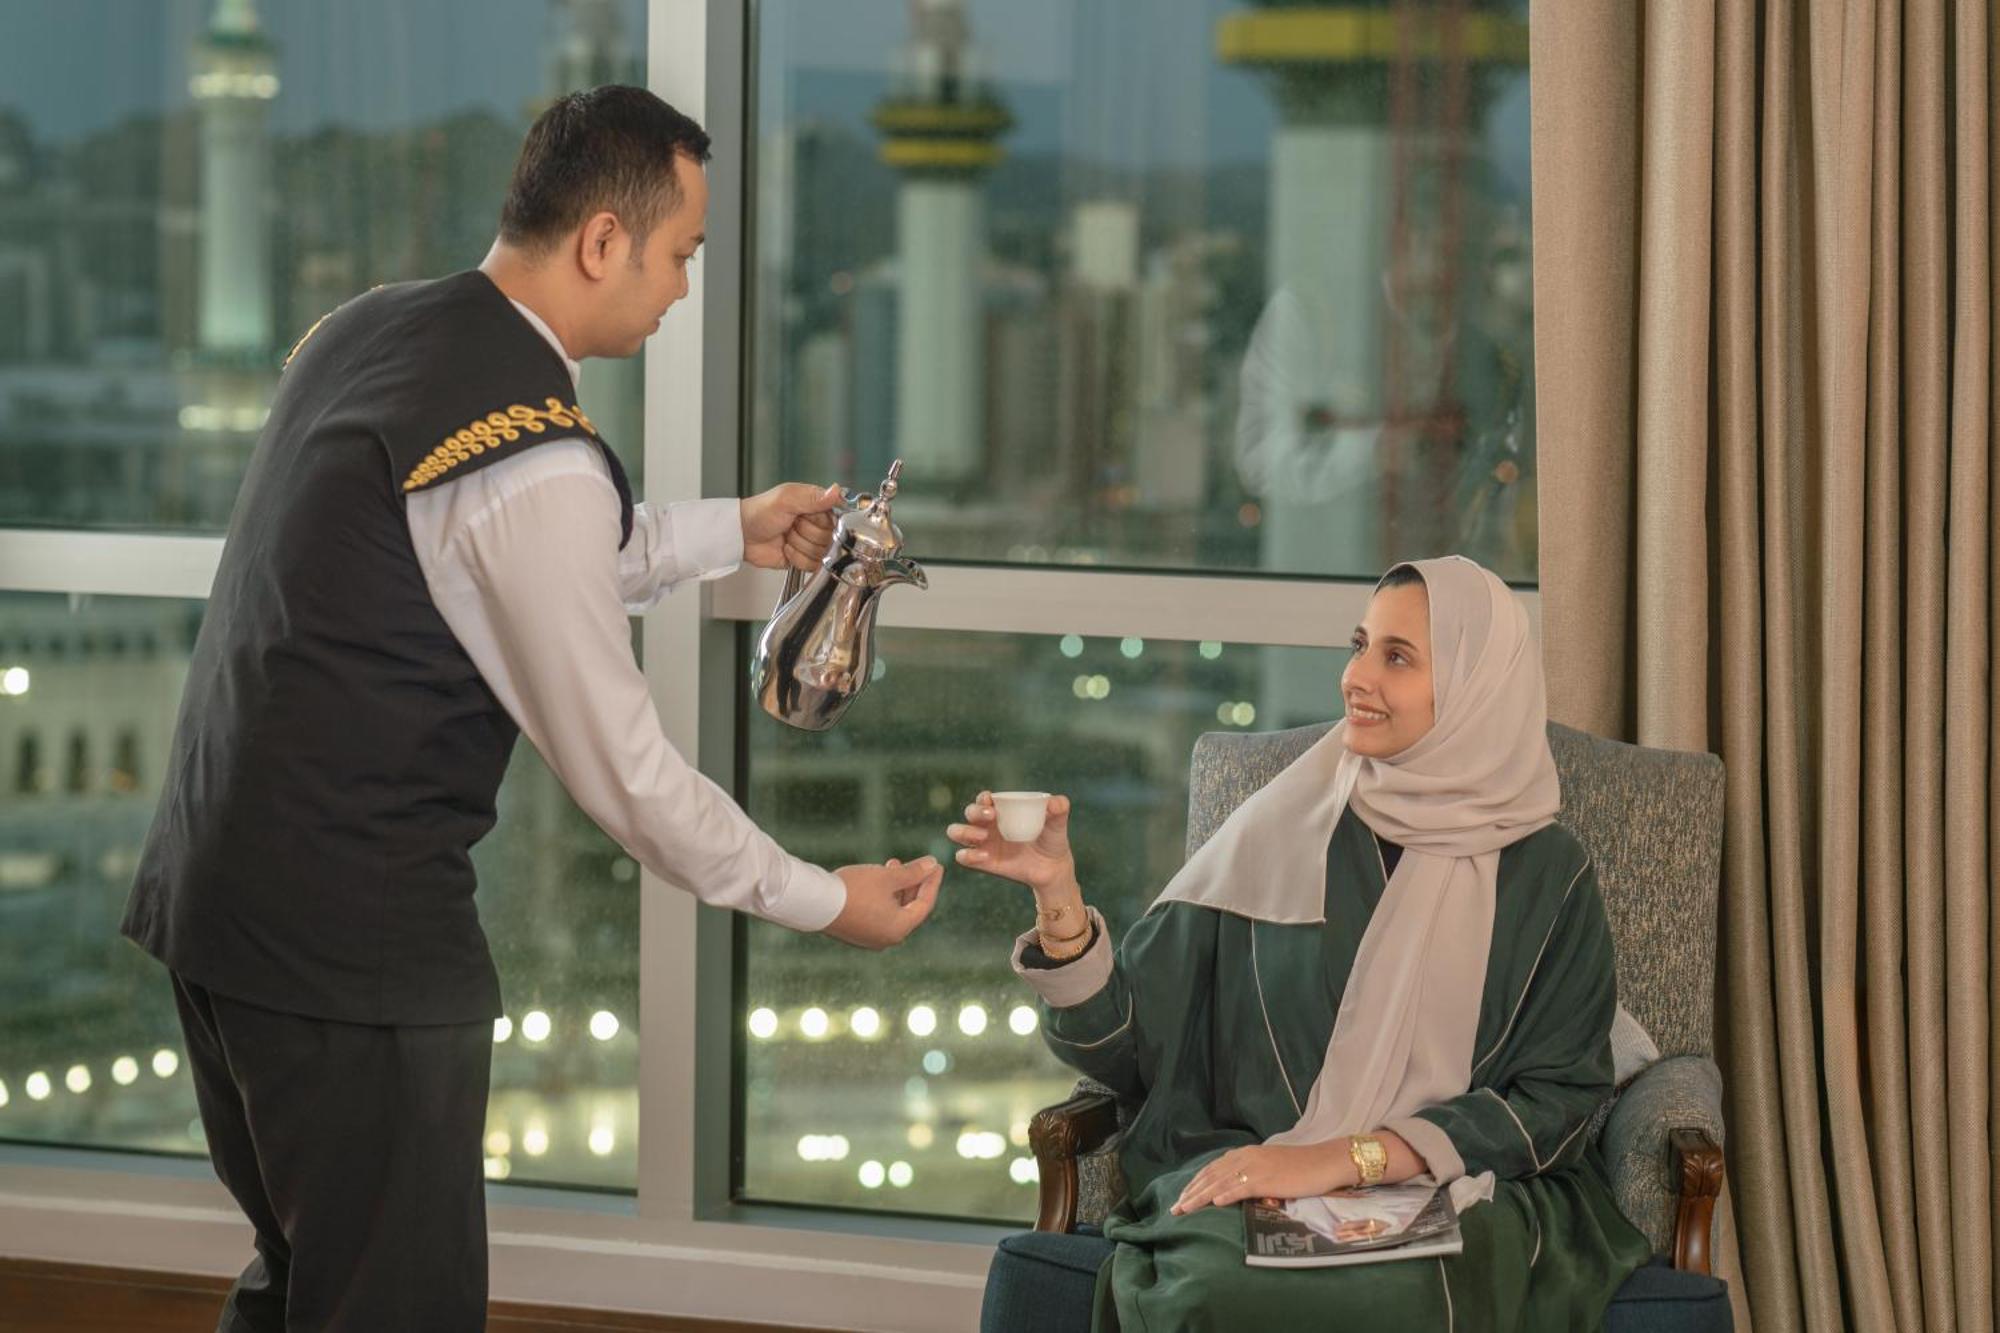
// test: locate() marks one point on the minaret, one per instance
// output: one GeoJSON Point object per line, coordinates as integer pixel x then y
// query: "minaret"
{"type": "Point", "coordinates": [941, 126]}
{"type": "Point", "coordinates": [235, 78]}
{"type": "Point", "coordinates": [1367, 166]}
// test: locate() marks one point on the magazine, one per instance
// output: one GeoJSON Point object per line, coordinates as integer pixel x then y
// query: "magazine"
{"type": "Point", "coordinates": [1361, 1226]}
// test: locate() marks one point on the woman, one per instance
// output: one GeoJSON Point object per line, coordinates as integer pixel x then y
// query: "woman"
{"type": "Point", "coordinates": [1389, 962]}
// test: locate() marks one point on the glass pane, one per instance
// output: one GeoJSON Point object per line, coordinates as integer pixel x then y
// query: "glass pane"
{"type": "Point", "coordinates": [90, 1050]}
{"type": "Point", "coordinates": [906, 1080]}
{"type": "Point", "coordinates": [1188, 283]}
{"type": "Point", "coordinates": [184, 201]}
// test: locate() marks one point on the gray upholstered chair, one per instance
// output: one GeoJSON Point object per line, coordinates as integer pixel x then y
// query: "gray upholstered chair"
{"type": "Point", "coordinates": [1652, 820]}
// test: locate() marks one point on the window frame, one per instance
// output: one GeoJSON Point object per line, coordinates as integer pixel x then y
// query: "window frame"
{"type": "Point", "coordinates": [679, 1245]}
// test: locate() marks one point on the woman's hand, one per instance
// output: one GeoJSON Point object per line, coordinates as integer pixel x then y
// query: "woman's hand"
{"type": "Point", "coordinates": [1044, 865]}
{"type": "Point", "coordinates": [1270, 1171]}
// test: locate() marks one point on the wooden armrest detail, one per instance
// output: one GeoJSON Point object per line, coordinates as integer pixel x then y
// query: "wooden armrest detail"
{"type": "Point", "coordinates": [1059, 1135]}
{"type": "Point", "coordinates": [1695, 1168]}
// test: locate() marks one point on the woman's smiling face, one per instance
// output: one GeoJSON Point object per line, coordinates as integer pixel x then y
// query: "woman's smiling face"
{"type": "Point", "coordinates": [1387, 685]}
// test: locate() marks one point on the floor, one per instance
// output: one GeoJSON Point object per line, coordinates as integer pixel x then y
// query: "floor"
{"type": "Point", "coordinates": [70, 1298]}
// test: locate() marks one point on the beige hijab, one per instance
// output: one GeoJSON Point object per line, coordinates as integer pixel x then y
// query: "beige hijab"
{"type": "Point", "coordinates": [1481, 779]}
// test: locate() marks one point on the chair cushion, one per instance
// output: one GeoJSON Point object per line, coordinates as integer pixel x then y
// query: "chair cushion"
{"type": "Point", "coordinates": [1661, 1299]}
{"type": "Point", "coordinates": [1041, 1282]}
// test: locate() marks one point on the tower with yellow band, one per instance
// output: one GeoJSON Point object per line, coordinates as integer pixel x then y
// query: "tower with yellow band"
{"type": "Point", "coordinates": [941, 127]}
{"type": "Point", "coordinates": [1370, 216]}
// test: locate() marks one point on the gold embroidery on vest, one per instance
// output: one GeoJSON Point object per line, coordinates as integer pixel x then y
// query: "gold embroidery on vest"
{"type": "Point", "coordinates": [490, 432]}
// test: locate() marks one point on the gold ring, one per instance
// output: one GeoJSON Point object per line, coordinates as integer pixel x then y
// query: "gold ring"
{"type": "Point", "coordinates": [1243, 1177]}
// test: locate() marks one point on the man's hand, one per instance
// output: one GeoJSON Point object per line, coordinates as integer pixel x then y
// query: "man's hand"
{"type": "Point", "coordinates": [886, 902]}
{"type": "Point", "coordinates": [788, 526]}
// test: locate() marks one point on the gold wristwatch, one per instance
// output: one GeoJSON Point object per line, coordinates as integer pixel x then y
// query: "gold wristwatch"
{"type": "Point", "coordinates": [1371, 1159]}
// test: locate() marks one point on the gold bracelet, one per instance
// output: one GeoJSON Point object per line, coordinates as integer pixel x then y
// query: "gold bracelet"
{"type": "Point", "coordinates": [1044, 918]}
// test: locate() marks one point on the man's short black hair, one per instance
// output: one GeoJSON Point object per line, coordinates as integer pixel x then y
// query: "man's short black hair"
{"type": "Point", "coordinates": [609, 149]}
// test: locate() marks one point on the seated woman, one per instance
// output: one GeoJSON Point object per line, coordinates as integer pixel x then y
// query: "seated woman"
{"type": "Point", "coordinates": [1389, 962]}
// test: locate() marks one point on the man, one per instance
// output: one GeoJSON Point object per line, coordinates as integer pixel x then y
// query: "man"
{"type": "Point", "coordinates": [434, 550]}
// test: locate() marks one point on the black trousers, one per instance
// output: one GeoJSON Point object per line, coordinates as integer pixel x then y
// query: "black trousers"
{"type": "Point", "coordinates": [356, 1152]}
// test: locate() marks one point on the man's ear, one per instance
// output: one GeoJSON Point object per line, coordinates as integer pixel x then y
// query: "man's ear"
{"type": "Point", "coordinates": [594, 244]}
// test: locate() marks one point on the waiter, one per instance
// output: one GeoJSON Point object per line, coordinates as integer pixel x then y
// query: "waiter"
{"type": "Point", "coordinates": [434, 551]}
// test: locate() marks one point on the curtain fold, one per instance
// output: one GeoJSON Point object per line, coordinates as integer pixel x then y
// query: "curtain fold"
{"type": "Point", "coordinates": [1765, 295]}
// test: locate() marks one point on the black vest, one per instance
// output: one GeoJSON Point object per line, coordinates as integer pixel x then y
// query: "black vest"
{"type": "Point", "coordinates": [337, 753]}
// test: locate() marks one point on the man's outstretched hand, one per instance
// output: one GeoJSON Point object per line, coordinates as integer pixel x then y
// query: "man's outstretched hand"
{"type": "Point", "coordinates": [788, 526]}
{"type": "Point", "coordinates": [886, 902]}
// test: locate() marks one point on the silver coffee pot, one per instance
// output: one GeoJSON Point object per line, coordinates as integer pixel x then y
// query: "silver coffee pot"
{"type": "Point", "coordinates": [815, 655]}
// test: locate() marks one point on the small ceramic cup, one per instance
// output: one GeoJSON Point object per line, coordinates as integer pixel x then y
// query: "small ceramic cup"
{"type": "Point", "coordinates": [1021, 814]}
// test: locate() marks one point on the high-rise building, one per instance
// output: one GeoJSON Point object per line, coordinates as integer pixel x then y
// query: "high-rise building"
{"type": "Point", "coordinates": [941, 125]}
{"type": "Point", "coordinates": [235, 78]}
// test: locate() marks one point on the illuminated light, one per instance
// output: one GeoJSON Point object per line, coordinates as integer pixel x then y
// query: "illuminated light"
{"type": "Point", "coordinates": [1132, 648]}
{"type": "Point", "coordinates": [77, 1079]}
{"type": "Point", "coordinates": [1022, 1019]}
{"type": "Point", "coordinates": [536, 1026]}
{"type": "Point", "coordinates": [972, 1020]}
{"type": "Point", "coordinates": [602, 1141]}
{"type": "Point", "coordinates": [165, 1062]}
{"type": "Point", "coordinates": [14, 680]}
{"type": "Point", "coordinates": [837, 1148]}
{"type": "Point", "coordinates": [872, 1174]}
{"type": "Point", "coordinates": [980, 1145]}
{"type": "Point", "coordinates": [1210, 650]}
{"type": "Point", "coordinates": [3, 1094]}
{"type": "Point", "coordinates": [1080, 687]}
{"type": "Point", "coordinates": [503, 1028]}
{"type": "Point", "coordinates": [865, 1023]}
{"type": "Point", "coordinates": [499, 1143]}
{"type": "Point", "coordinates": [1017, 1134]}
{"type": "Point", "coordinates": [1222, 712]}
{"type": "Point", "coordinates": [900, 1175]}
{"type": "Point", "coordinates": [1243, 714]}
{"type": "Point", "coordinates": [922, 1020]}
{"type": "Point", "coordinates": [604, 1025]}
{"type": "Point", "coordinates": [813, 1023]}
{"type": "Point", "coordinates": [1100, 687]}
{"type": "Point", "coordinates": [1071, 645]}
{"type": "Point", "coordinates": [38, 1086]}
{"type": "Point", "coordinates": [763, 1024]}
{"type": "Point", "coordinates": [809, 1148]}
{"type": "Point", "coordinates": [936, 1062]}
{"type": "Point", "coordinates": [535, 1141]}
{"type": "Point", "coordinates": [124, 1072]}
{"type": "Point", "coordinates": [498, 1168]}
{"type": "Point", "coordinates": [921, 1136]}
{"type": "Point", "coordinates": [1024, 1171]}
{"type": "Point", "coordinates": [879, 670]}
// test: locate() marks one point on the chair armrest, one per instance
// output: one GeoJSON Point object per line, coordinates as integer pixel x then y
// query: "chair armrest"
{"type": "Point", "coordinates": [1696, 1169]}
{"type": "Point", "coordinates": [1059, 1135]}
{"type": "Point", "coordinates": [1661, 1145]}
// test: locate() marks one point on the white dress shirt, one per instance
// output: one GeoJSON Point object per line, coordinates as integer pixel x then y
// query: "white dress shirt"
{"type": "Point", "coordinates": [522, 560]}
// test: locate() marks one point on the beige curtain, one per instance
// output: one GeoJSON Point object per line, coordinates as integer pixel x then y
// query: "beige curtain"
{"type": "Point", "coordinates": [1765, 245]}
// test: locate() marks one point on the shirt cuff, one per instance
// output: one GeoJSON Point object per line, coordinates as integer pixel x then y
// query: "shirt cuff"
{"type": "Point", "coordinates": [1432, 1144]}
{"type": "Point", "coordinates": [812, 899]}
{"type": "Point", "coordinates": [1078, 979]}
{"type": "Point", "coordinates": [707, 537]}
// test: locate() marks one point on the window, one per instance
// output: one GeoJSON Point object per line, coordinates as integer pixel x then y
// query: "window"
{"type": "Point", "coordinates": [181, 204]}
{"type": "Point", "coordinates": [1168, 289]}
{"type": "Point", "coordinates": [1183, 285]}
{"type": "Point", "coordinates": [185, 201]}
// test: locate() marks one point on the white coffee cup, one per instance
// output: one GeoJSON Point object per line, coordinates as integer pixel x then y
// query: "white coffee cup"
{"type": "Point", "coordinates": [1022, 814]}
